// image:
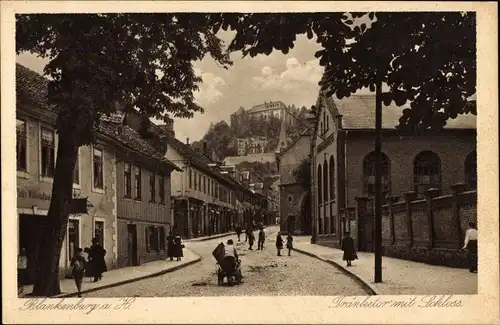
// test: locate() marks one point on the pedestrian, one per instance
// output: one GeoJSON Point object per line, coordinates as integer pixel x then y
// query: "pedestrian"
{"type": "Point", "coordinates": [78, 269]}
{"type": "Point", "coordinates": [22, 270]}
{"type": "Point", "coordinates": [88, 266]}
{"type": "Point", "coordinates": [470, 244]}
{"type": "Point", "coordinates": [178, 248]}
{"type": "Point", "coordinates": [289, 243]}
{"type": "Point", "coordinates": [96, 257]}
{"type": "Point", "coordinates": [262, 239]}
{"type": "Point", "coordinates": [251, 239]}
{"type": "Point", "coordinates": [170, 246]}
{"type": "Point", "coordinates": [348, 248]}
{"type": "Point", "coordinates": [238, 231]}
{"type": "Point", "coordinates": [279, 243]}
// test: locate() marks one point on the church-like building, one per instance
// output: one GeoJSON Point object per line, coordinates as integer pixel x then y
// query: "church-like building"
{"type": "Point", "coordinates": [343, 161]}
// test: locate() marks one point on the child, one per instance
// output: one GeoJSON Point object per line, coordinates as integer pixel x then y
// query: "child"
{"type": "Point", "coordinates": [262, 239]}
{"type": "Point", "coordinates": [279, 243]}
{"type": "Point", "coordinates": [78, 264]}
{"type": "Point", "coordinates": [289, 243]}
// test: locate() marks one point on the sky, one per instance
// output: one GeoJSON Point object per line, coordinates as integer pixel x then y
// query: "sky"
{"type": "Point", "coordinates": [292, 79]}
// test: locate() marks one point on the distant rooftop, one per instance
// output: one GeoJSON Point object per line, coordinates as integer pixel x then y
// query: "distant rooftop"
{"type": "Point", "coordinates": [358, 112]}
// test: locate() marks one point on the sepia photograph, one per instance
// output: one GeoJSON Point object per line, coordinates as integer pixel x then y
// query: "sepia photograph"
{"type": "Point", "coordinates": [245, 154]}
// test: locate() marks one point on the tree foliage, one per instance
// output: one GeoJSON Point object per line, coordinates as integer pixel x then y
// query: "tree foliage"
{"type": "Point", "coordinates": [219, 138]}
{"type": "Point", "coordinates": [139, 61]}
{"type": "Point", "coordinates": [302, 174]}
{"type": "Point", "coordinates": [427, 59]}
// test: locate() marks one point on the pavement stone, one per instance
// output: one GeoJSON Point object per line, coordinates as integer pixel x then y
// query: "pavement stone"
{"type": "Point", "coordinates": [121, 276]}
{"type": "Point", "coordinates": [264, 274]}
{"type": "Point", "coordinates": [400, 277]}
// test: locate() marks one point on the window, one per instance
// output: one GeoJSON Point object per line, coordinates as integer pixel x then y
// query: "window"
{"type": "Point", "coordinates": [195, 181]}
{"type": "Point", "coordinates": [209, 188]}
{"type": "Point", "coordinates": [320, 180]}
{"type": "Point", "coordinates": [213, 188]}
{"type": "Point", "coordinates": [204, 185]}
{"type": "Point", "coordinates": [127, 175]}
{"type": "Point", "coordinates": [152, 187]}
{"type": "Point", "coordinates": [76, 171]}
{"type": "Point", "coordinates": [190, 178]}
{"type": "Point", "coordinates": [147, 237]}
{"type": "Point", "coordinates": [21, 145]}
{"type": "Point", "coordinates": [426, 172]}
{"type": "Point", "coordinates": [325, 181]}
{"type": "Point", "coordinates": [98, 168]}
{"type": "Point", "coordinates": [138, 192]}
{"type": "Point", "coordinates": [200, 185]}
{"type": "Point", "coordinates": [47, 148]}
{"type": "Point", "coordinates": [332, 179]}
{"type": "Point", "coordinates": [162, 189]}
{"type": "Point", "coordinates": [99, 232]}
{"type": "Point", "coordinates": [153, 239]}
{"type": "Point", "coordinates": [471, 170]}
{"type": "Point", "coordinates": [369, 175]}
{"type": "Point", "coordinates": [161, 238]}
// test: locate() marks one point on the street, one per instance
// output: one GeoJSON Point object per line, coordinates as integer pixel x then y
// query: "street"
{"type": "Point", "coordinates": [264, 274]}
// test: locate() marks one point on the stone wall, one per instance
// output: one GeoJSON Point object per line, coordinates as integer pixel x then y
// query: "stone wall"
{"type": "Point", "coordinates": [429, 230]}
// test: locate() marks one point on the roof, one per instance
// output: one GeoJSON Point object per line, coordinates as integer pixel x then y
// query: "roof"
{"type": "Point", "coordinates": [358, 112]}
{"type": "Point", "coordinates": [306, 133]}
{"type": "Point", "coordinates": [266, 107]}
{"type": "Point", "coordinates": [33, 87]}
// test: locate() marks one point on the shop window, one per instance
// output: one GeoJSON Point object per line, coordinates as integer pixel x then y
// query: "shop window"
{"type": "Point", "coordinates": [21, 145]}
{"type": "Point", "coordinates": [47, 152]}
{"type": "Point", "coordinates": [73, 237]}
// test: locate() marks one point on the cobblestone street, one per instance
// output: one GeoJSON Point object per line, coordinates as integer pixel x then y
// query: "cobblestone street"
{"type": "Point", "coordinates": [264, 273]}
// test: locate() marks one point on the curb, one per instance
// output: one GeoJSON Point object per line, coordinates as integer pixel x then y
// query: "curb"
{"type": "Point", "coordinates": [193, 240]}
{"type": "Point", "coordinates": [152, 275]}
{"type": "Point", "coordinates": [365, 285]}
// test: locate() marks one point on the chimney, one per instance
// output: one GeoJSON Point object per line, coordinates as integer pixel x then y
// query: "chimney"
{"type": "Point", "coordinates": [170, 127]}
{"type": "Point", "coordinates": [187, 141]}
{"type": "Point", "coordinates": [205, 148]}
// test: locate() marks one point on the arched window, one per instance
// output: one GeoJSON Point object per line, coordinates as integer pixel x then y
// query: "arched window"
{"type": "Point", "coordinates": [369, 164]}
{"type": "Point", "coordinates": [426, 171]}
{"type": "Point", "coordinates": [325, 181]}
{"type": "Point", "coordinates": [320, 181]}
{"type": "Point", "coordinates": [470, 167]}
{"type": "Point", "coordinates": [332, 179]}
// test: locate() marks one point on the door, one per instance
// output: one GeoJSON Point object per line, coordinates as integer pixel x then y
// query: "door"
{"type": "Point", "coordinates": [73, 241]}
{"type": "Point", "coordinates": [132, 245]}
{"type": "Point", "coordinates": [365, 234]}
{"type": "Point", "coordinates": [29, 236]}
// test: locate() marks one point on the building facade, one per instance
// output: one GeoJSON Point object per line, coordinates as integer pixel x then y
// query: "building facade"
{"type": "Point", "coordinates": [36, 154]}
{"type": "Point", "coordinates": [343, 164]}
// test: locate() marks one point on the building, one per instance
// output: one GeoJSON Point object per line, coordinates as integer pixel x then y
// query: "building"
{"type": "Point", "coordinates": [143, 195]}
{"type": "Point", "coordinates": [267, 109]}
{"type": "Point", "coordinates": [36, 154]}
{"type": "Point", "coordinates": [251, 145]}
{"type": "Point", "coordinates": [343, 164]}
{"type": "Point", "coordinates": [294, 197]}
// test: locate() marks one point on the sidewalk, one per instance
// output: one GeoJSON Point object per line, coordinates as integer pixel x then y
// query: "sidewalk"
{"type": "Point", "coordinates": [209, 237]}
{"type": "Point", "coordinates": [400, 277]}
{"type": "Point", "coordinates": [125, 275]}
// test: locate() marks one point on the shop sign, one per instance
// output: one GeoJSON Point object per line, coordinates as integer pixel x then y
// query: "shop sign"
{"type": "Point", "coordinates": [33, 194]}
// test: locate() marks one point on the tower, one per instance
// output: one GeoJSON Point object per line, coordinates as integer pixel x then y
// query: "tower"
{"type": "Point", "coordinates": [283, 139]}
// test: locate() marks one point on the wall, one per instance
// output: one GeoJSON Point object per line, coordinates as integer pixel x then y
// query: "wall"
{"type": "Point", "coordinates": [292, 158]}
{"type": "Point", "coordinates": [429, 230]}
{"type": "Point", "coordinates": [34, 193]}
{"type": "Point", "coordinates": [452, 149]}
{"type": "Point", "coordinates": [142, 213]}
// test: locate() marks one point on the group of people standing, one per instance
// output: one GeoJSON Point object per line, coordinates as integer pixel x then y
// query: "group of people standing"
{"type": "Point", "coordinates": [88, 262]}
{"type": "Point", "coordinates": [174, 247]}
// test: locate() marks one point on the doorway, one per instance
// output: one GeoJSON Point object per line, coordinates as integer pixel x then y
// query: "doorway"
{"type": "Point", "coordinates": [30, 227]}
{"type": "Point", "coordinates": [305, 212]}
{"type": "Point", "coordinates": [132, 245]}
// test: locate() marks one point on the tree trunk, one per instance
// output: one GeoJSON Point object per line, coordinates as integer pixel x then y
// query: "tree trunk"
{"type": "Point", "coordinates": [52, 235]}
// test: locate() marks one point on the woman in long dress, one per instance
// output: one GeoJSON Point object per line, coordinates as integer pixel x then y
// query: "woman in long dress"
{"type": "Point", "coordinates": [470, 244]}
{"type": "Point", "coordinates": [348, 248]}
